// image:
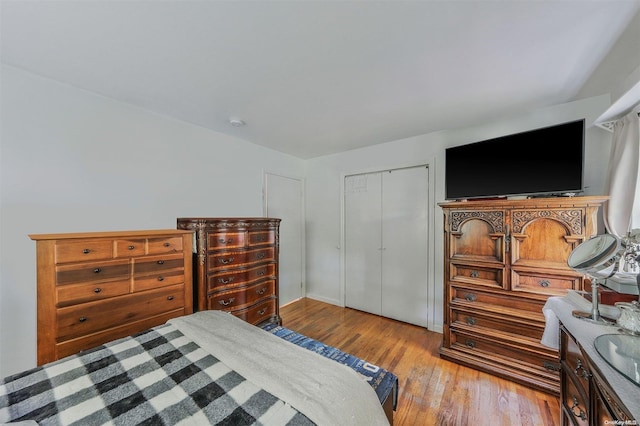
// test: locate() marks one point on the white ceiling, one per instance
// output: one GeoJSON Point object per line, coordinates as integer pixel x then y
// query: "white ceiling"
{"type": "Point", "coordinates": [316, 77]}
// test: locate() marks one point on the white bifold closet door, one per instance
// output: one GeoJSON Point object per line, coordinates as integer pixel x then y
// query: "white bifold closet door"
{"type": "Point", "coordinates": [386, 243]}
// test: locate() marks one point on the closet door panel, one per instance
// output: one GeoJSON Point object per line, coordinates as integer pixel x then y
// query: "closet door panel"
{"type": "Point", "coordinates": [363, 242]}
{"type": "Point", "coordinates": [404, 242]}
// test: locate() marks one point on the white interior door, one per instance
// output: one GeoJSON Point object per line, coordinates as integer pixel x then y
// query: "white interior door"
{"type": "Point", "coordinates": [362, 242]}
{"type": "Point", "coordinates": [404, 241]}
{"type": "Point", "coordinates": [284, 200]}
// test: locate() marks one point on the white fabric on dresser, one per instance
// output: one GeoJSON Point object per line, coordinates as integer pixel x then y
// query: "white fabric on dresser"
{"type": "Point", "coordinates": [585, 333]}
{"type": "Point", "coordinates": [551, 334]}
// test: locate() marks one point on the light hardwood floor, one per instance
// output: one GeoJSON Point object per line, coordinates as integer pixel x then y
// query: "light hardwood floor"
{"type": "Point", "coordinates": [432, 391]}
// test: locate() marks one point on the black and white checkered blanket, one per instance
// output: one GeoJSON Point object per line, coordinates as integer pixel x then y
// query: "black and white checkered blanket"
{"type": "Point", "coordinates": [158, 377]}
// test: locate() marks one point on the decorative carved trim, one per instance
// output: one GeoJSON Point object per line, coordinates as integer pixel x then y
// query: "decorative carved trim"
{"type": "Point", "coordinates": [573, 219]}
{"type": "Point", "coordinates": [494, 218]}
{"type": "Point", "coordinates": [228, 224]}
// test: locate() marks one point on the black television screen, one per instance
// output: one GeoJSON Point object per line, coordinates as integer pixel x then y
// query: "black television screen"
{"type": "Point", "coordinates": [546, 161]}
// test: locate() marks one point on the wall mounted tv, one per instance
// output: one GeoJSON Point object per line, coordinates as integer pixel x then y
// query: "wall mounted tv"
{"type": "Point", "coordinates": [545, 161]}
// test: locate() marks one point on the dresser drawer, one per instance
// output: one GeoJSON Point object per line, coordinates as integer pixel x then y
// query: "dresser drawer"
{"type": "Point", "coordinates": [226, 240]}
{"type": "Point", "coordinates": [71, 294]}
{"type": "Point", "coordinates": [479, 275]}
{"type": "Point", "coordinates": [574, 362]}
{"type": "Point", "coordinates": [236, 298]}
{"type": "Point", "coordinates": [91, 317]}
{"type": "Point", "coordinates": [233, 259]}
{"type": "Point", "coordinates": [472, 296]}
{"type": "Point", "coordinates": [262, 237]}
{"type": "Point", "coordinates": [477, 319]}
{"type": "Point", "coordinates": [238, 277]}
{"type": "Point", "coordinates": [84, 250]}
{"type": "Point", "coordinates": [545, 285]}
{"type": "Point", "coordinates": [129, 248]}
{"type": "Point", "coordinates": [92, 271]}
{"type": "Point", "coordinates": [157, 264]}
{"type": "Point", "coordinates": [159, 279]}
{"type": "Point", "coordinates": [259, 313]}
{"type": "Point", "coordinates": [575, 403]}
{"type": "Point", "coordinates": [164, 245]}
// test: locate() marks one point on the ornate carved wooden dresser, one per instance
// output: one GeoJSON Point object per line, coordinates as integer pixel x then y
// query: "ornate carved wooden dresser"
{"type": "Point", "coordinates": [502, 260]}
{"type": "Point", "coordinates": [100, 286]}
{"type": "Point", "coordinates": [236, 266]}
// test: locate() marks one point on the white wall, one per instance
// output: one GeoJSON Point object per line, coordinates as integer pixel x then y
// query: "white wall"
{"type": "Point", "coordinates": [72, 161]}
{"type": "Point", "coordinates": [324, 176]}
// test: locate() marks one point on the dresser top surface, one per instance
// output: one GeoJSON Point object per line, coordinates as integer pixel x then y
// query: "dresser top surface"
{"type": "Point", "coordinates": [581, 201]}
{"type": "Point", "coordinates": [111, 234]}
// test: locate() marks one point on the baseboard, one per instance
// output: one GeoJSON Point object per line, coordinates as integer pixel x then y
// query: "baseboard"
{"type": "Point", "coordinates": [324, 299]}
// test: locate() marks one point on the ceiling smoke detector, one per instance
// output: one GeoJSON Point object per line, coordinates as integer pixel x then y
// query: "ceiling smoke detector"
{"type": "Point", "coordinates": [236, 122]}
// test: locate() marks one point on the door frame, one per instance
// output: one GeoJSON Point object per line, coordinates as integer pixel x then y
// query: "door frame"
{"type": "Point", "coordinates": [303, 237]}
{"type": "Point", "coordinates": [431, 209]}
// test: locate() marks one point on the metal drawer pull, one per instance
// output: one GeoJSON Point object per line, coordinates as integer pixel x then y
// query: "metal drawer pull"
{"type": "Point", "coordinates": [223, 241]}
{"type": "Point", "coordinates": [97, 270]}
{"type": "Point", "coordinates": [226, 261]}
{"type": "Point", "coordinates": [97, 290]}
{"type": "Point", "coordinates": [551, 366]}
{"type": "Point", "coordinates": [544, 283]}
{"type": "Point", "coordinates": [471, 320]}
{"type": "Point", "coordinates": [262, 311]}
{"type": "Point", "coordinates": [262, 290]}
{"type": "Point", "coordinates": [167, 244]}
{"type": "Point", "coordinates": [131, 247]}
{"type": "Point", "coordinates": [225, 280]}
{"type": "Point", "coordinates": [260, 255]}
{"type": "Point", "coordinates": [582, 415]}
{"type": "Point", "coordinates": [160, 262]}
{"type": "Point", "coordinates": [86, 251]}
{"type": "Point", "coordinates": [580, 370]}
{"type": "Point", "coordinates": [261, 273]}
{"type": "Point", "coordinates": [470, 297]}
{"type": "Point", "coordinates": [227, 303]}
{"type": "Point", "coordinates": [160, 278]}
{"type": "Point", "coordinates": [474, 274]}
{"type": "Point", "coordinates": [470, 343]}
{"type": "Point", "coordinates": [170, 297]}
{"type": "Point", "coordinates": [82, 319]}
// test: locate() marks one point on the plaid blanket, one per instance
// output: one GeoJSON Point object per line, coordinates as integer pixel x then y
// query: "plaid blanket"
{"type": "Point", "coordinates": [158, 377]}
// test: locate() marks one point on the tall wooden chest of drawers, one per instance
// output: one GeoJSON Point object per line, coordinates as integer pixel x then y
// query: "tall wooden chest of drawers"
{"type": "Point", "coordinates": [236, 266]}
{"type": "Point", "coordinates": [100, 286]}
{"type": "Point", "coordinates": [503, 259]}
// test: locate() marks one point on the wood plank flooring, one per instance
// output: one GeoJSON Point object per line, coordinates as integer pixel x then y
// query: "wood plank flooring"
{"type": "Point", "coordinates": [433, 391]}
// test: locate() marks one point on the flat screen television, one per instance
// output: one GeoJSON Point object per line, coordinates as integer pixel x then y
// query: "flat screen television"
{"type": "Point", "coordinates": [545, 161]}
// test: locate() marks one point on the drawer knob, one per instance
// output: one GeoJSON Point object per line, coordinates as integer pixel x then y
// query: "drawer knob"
{"type": "Point", "coordinates": [551, 366]}
{"type": "Point", "coordinates": [225, 280]}
{"type": "Point", "coordinates": [167, 244]}
{"type": "Point", "coordinates": [82, 319]}
{"type": "Point", "coordinates": [86, 251]}
{"type": "Point", "coordinates": [131, 247]}
{"type": "Point", "coordinates": [97, 270]}
{"type": "Point", "coordinates": [580, 370]}
{"type": "Point", "coordinates": [97, 290]}
{"type": "Point", "coordinates": [260, 255]}
{"type": "Point", "coordinates": [470, 297]}
{"type": "Point", "coordinates": [160, 262]}
{"type": "Point", "coordinates": [544, 283]}
{"type": "Point", "coordinates": [471, 320]}
{"type": "Point", "coordinates": [227, 302]}
{"type": "Point", "coordinates": [474, 274]}
{"type": "Point", "coordinates": [470, 343]}
{"type": "Point", "coordinates": [262, 311]}
{"type": "Point", "coordinates": [160, 278]}
{"type": "Point", "coordinates": [227, 241]}
{"type": "Point", "coordinates": [580, 414]}
{"type": "Point", "coordinates": [170, 297]}
{"type": "Point", "coordinates": [226, 261]}
{"type": "Point", "coordinates": [261, 291]}
{"type": "Point", "coordinates": [261, 272]}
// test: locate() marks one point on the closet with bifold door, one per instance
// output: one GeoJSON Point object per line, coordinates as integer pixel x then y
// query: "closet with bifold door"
{"type": "Point", "coordinates": [386, 216]}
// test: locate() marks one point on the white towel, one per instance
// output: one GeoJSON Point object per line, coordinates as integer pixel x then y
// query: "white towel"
{"type": "Point", "coordinates": [551, 334]}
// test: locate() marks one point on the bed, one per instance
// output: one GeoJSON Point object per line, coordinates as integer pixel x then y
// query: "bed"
{"type": "Point", "coordinates": [206, 368]}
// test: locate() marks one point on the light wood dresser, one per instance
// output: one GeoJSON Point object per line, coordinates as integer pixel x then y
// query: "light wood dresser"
{"type": "Point", "coordinates": [100, 286]}
{"type": "Point", "coordinates": [502, 260]}
{"type": "Point", "coordinates": [236, 265]}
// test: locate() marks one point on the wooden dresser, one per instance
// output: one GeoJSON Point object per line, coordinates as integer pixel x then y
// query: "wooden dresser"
{"type": "Point", "coordinates": [236, 266]}
{"type": "Point", "coordinates": [100, 286]}
{"type": "Point", "coordinates": [503, 259]}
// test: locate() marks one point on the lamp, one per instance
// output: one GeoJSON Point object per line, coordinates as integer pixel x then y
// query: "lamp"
{"type": "Point", "coordinates": [600, 258]}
